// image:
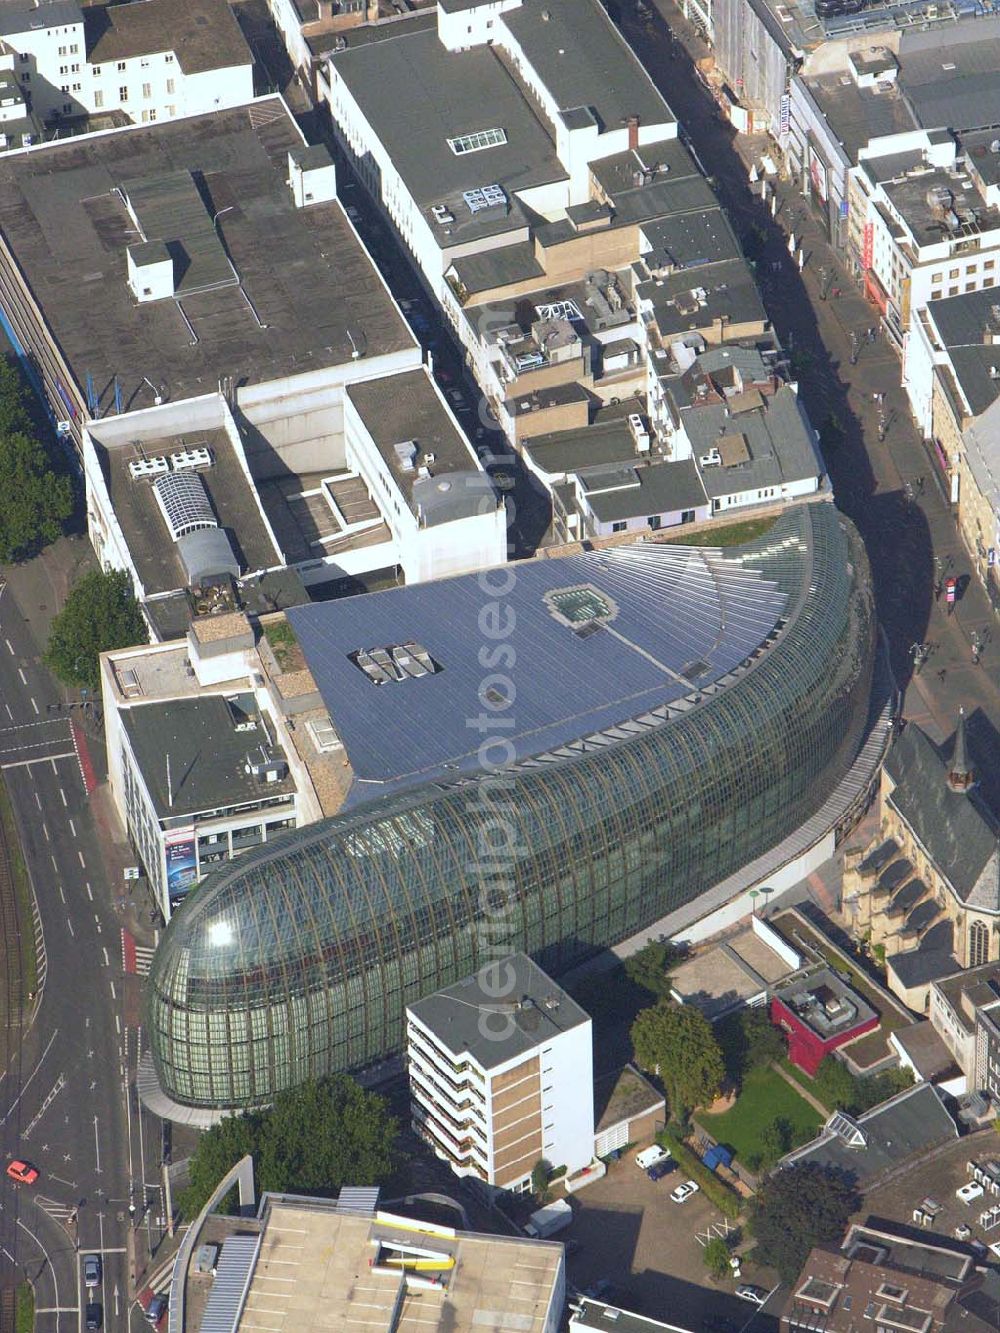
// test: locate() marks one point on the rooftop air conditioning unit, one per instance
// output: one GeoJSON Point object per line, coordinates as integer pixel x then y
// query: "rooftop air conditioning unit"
{"type": "Point", "coordinates": [147, 467]}
{"type": "Point", "coordinates": [187, 459]}
{"type": "Point", "coordinates": [712, 459]}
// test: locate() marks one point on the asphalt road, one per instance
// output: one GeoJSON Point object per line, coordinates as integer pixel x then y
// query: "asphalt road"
{"type": "Point", "coordinates": [63, 1095]}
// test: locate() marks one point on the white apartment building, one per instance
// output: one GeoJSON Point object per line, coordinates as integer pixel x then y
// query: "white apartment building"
{"type": "Point", "coordinates": [147, 60]}
{"type": "Point", "coordinates": [501, 1075]}
{"type": "Point", "coordinates": [461, 156]}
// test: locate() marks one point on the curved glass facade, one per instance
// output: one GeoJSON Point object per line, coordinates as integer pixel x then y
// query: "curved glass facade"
{"type": "Point", "coordinates": [299, 959]}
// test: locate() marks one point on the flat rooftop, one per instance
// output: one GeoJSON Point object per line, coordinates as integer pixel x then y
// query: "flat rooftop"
{"type": "Point", "coordinates": [826, 1004]}
{"type": "Point", "coordinates": [910, 196]}
{"type": "Point", "coordinates": [583, 60]}
{"type": "Point", "coordinates": [405, 410]}
{"type": "Point", "coordinates": [469, 1017]}
{"type": "Point", "coordinates": [681, 618]}
{"type": "Point", "coordinates": [622, 1095]}
{"type": "Point", "coordinates": [149, 541]}
{"type": "Point", "coordinates": [416, 95]}
{"type": "Point", "coordinates": [315, 1272]}
{"type": "Point", "coordinates": [949, 75]}
{"type": "Point", "coordinates": [312, 285]}
{"type": "Point", "coordinates": [203, 34]}
{"type": "Point", "coordinates": [726, 975]}
{"type": "Point", "coordinates": [208, 754]}
{"type": "Point", "coordinates": [698, 298]}
{"type": "Point", "coordinates": [762, 442]}
{"type": "Point", "coordinates": [980, 984]}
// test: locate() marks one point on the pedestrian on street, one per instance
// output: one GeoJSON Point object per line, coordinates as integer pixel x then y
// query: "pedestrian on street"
{"type": "Point", "coordinates": [942, 673]}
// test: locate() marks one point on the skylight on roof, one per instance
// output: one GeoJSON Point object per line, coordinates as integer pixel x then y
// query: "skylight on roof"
{"type": "Point", "coordinates": [476, 142]}
{"type": "Point", "coordinates": [489, 196]}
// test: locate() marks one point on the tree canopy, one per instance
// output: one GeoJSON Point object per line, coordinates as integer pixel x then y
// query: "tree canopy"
{"type": "Point", "coordinates": [650, 967]}
{"type": "Point", "coordinates": [35, 500]}
{"type": "Point", "coordinates": [798, 1208]}
{"type": "Point", "coordinates": [749, 1041]}
{"type": "Point", "coordinates": [715, 1257]}
{"type": "Point", "coordinates": [840, 1090]}
{"type": "Point", "coordinates": [100, 613]}
{"type": "Point", "coordinates": [314, 1139]}
{"type": "Point", "coordinates": [676, 1042]}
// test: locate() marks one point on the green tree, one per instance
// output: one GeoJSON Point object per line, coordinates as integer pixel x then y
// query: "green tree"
{"type": "Point", "coordinates": [100, 613]}
{"type": "Point", "coordinates": [836, 1085]}
{"type": "Point", "coordinates": [540, 1180]}
{"type": "Point", "coordinates": [676, 1041]}
{"type": "Point", "coordinates": [715, 1256]}
{"type": "Point", "coordinates": [774, 1140]}
{"type": "Point", "coordinates": [34, 500]}
{"type": "Point", "coordinates": [314, 1139]}
{"type": "Point", "coordinates": [796, 1209]}
{"type": "Point", "coordinates": [650, 967]}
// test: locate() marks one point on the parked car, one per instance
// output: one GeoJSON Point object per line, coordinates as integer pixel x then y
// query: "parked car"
{"type": "Point", "coordinates": [660, 1169]}
{"type": "Point", "coordinates": [748, 1292]}
{"type": "Point", "coordinates": [970, 1191]}
{"type": "Point", "coordinates": [91, 1270]}
{"type": "Point", "coordinates": [95, 1317]}
{"type": "Point", "coordinates": [651, 1157]}
{"type": "Point", "coordinates": [684, 1192]}
{"type": "Point", "coordinates": [22, 1172]}
{"type": "Point", "coordinates": [156, 1309]}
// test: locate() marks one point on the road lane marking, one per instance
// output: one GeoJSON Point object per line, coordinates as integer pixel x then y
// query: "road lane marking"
{"type": "Point", "coordinates": [107, 960]}
{"type": "Point", "coordinates": [118, 1025]}
{"type": "Point", "coordinates": [24, 678]}
{"type": "Point", "coordinates": [9, 713]}
{"type": "Point", "coordinates": [90, 891]}
{"type": "Point", "coordinates": [114, 993]}
{"type": "Point", "coordinates": [38, 800]}
{"type": "Point", "coordinates": [63, 795]}
{"type": "Point", "coordinates": [34, 705]}
{"type": "Point", "coordinates": [69, 923]}
{"type": "Point", "coordinates": [62, 895]}
{"type": "Point", "coordinates": [9, 648]}
{"type": "Point", "coordinates": [24, 1086]}
{"type": "Point", "coordinates": [45, 830]}
{"type": "Point", "coordinates": [82, 861]}
{"type": "Point", "coordinates": [55, 863]}
{"type": "Point", "coordinates": [43, 759]}
{"type": "Point", "coordinates": [72, 828]}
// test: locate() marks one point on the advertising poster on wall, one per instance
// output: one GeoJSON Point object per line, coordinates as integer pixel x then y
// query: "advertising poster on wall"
{"type": "Point", "coordinates": [182, 865]}
{"type": "Point", "coordinates": [817, 174]}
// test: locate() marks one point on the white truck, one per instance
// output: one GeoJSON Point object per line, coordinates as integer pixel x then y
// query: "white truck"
{"type": "Point", "coordinates": [550, 1220]}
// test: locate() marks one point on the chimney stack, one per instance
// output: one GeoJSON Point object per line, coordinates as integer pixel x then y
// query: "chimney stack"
{"type": "Point", "coordinates": [633, 132]}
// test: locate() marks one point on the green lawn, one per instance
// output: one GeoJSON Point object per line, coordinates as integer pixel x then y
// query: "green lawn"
{"type": "Point", "coordinates": [725, 534]}
{"type": "Point", "coordinates": [764, 1097]}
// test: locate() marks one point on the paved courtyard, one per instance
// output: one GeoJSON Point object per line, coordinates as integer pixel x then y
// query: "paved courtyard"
{"type": "Point", "coordinates": [631, 1233]}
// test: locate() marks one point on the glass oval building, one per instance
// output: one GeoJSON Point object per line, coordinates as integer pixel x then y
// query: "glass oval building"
{"type": "Point", "coordinates": [674, 712]}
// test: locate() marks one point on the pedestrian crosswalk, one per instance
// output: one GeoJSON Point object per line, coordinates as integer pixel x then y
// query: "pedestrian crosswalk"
{"type": "Point", "coordinates": [143, 959]}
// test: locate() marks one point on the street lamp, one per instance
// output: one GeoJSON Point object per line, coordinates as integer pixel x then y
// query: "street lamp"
{"type": "Point", "coordinates": [228, 209]}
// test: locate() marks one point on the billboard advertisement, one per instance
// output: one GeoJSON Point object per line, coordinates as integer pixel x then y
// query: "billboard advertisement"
{"type": "Point", "coordinates": [817, 174]}
{"type": "Point", "coordinates": [182, 864]}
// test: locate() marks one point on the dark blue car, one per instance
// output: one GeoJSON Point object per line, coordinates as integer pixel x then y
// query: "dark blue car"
{"type": "Point", "coordinates": [658, 1171]}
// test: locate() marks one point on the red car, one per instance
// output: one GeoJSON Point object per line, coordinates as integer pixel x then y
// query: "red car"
{"type": "Point", "coordinates": [22, 1172]}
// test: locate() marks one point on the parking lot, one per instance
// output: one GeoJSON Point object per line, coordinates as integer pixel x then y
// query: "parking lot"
{"type": "Point", "coordinates": [631, 1234]}
{"type": "Point", "coordinates": [938, 1179]}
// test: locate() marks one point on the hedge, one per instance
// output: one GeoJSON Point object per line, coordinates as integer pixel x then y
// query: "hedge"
{"type": "Point", "coordinates": [728, 1202]}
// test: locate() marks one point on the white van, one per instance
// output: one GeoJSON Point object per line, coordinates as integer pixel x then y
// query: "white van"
{"type": "Point", "coordinates": [650, 1157]}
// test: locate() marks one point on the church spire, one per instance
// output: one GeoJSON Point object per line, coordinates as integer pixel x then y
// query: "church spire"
{"type": "Point", "coordinates": [961, 775]}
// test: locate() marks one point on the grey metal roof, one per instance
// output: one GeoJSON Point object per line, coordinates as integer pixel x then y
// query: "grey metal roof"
{"type": "Point", "coordinates": [498, 268]}
{"type": "Point", "coordinates": [955, 828]}
{"type": "Point", "coordinates": [601, 444]}
{"type": "Point", "coordinates": [583, 61]}
{"type": "Point", "coordinates": [650, 489]}
{"type": "Point", "coordinates": [778, 437]}
{"type": "Point", "coordinates": [231, 1283]}
{"type": "Point", "coordinates": [931, 960]}
{"type": "Point", "coordinates": [207, 553]}
{"type": "Point", "coordinates": [469, 1017]}
{"type": "Point", "coordinates": [727, 290]}
{"type": "Point", "coordinates": [25, 16]}
{"type": "Point", "coordinates": [951, 81]}
{"type": "Point", "coordinates": [899, 1129]}
{"type": "Point", "coordinates": [673, 609]}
